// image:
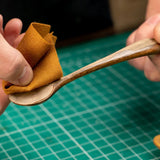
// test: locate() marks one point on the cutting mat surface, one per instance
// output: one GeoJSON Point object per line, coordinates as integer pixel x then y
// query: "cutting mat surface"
{"type": "Point", "coordinates": [113, 113]}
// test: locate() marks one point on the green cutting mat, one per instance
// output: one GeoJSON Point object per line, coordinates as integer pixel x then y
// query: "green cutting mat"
{"type": "Point", "coordinates": [113, 113]}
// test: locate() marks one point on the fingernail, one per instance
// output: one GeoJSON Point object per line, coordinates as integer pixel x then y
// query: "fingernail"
{"type": "Point", "coordinates": [26, 76]}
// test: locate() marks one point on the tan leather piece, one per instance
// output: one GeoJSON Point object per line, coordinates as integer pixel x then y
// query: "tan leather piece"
{"type": "Point", "coordinates": [38, 48]}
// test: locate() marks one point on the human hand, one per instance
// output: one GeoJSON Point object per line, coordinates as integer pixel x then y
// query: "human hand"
{"type": "Point", "coordinates": [13, 67]}
{"type": "Point", "coordinates": [149, 64]}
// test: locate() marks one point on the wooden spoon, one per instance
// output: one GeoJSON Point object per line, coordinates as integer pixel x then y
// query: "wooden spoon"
{"type": "Point", "coordinates": [138, 49]}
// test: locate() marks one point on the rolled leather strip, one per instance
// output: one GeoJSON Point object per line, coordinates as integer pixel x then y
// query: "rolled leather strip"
{"type": "Point", "coordinates": [38, 48]}
{"type": "Point", "coordinates": [156, 141]}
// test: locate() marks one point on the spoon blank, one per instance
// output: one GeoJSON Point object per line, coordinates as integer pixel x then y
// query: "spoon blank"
{"type": "Point", "coordinates": [138, 49]}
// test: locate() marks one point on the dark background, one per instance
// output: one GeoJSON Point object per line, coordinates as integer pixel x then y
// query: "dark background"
{"type": "Point", "coordinates": [68, 18]}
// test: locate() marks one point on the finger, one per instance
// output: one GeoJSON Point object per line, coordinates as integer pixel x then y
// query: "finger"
{"type": "Point", "coordinates": [138, 63]}
{"type": "Point", "coordinates": [12, 30]}
{"type": "Point", "coordinates": [157, 33]}
{"type": "Point", "coordinates": [146, 30]}
{"type": "Point", "coordinates": [154, 64]}
{"type": "Point", "coordinates": [13, 67]}
{"type": "Point", "coordinates": [1, 24]}
{"type": "Point", "coordinates": [151, 71]}
{"type": "Point", "coordinates": [154, 59]}
{"type": "Point", "coordinates": [4, 101]}
{"type": "Point", "coordinates": [18, 40]}
{"type": "Point", "coordinates": [131, 38]}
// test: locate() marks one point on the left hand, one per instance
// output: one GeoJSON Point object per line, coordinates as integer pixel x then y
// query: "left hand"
{"type": "Point", "coordinates": [149, 64]}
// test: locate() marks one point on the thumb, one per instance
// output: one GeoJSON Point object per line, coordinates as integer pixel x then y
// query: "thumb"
{"type": "Point", "coordinates": [13, 66]}
{"type": "Point", "coordinates": [157, 33]}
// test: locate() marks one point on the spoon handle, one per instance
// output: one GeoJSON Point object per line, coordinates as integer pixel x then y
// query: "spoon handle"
{"type": "Point", "coordinates": [138, 49]}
